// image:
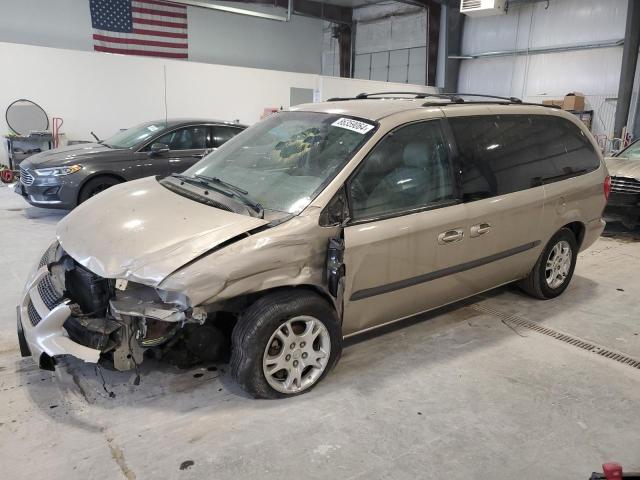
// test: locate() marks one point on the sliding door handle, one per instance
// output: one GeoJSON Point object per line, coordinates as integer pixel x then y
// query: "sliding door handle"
{"type": "Point", "coordinates": [450, 236]}
{"type": "Point", "coordinates": [480, 229]}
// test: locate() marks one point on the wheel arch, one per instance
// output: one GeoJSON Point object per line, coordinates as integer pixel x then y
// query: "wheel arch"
{"type": "Point", "coordinates": [578, 229]}
{"type": "Point", "coordinates": [107, 174]}
{"type": "Point", "coordinates": [243, 301]}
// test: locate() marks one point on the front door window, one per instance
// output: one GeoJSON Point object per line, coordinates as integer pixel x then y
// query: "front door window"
{"type": "Point", "coordinates": [408, 170]}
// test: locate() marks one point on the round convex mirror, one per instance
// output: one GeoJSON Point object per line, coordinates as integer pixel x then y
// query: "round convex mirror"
{"type": "Point", "coordinates": [25, 116]}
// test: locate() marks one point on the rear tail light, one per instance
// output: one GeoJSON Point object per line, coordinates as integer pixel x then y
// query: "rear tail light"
{"type": "Point", "coordinates": [607, 187]}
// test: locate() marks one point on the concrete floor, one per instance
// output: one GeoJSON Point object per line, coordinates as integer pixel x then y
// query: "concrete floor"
{"type": "Point", "coordinates": [458, 394]}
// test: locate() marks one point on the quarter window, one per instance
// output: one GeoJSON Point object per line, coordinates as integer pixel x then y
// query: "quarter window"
{"type": "Point", "coordinates": [501, 154]}
{"type": "Point", "coordinates": [407, 170]}
{"type": "Point", "coordinates": [223, 134]}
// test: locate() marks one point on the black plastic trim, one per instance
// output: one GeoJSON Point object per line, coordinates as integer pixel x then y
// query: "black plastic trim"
{"type": "Point", "coordinates": [427, 277]}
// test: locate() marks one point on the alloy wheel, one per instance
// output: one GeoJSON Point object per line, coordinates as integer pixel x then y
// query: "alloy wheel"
{"type": "Point", "coordinates": [558, 264]}
{"type": "Point", "coordinates": [296, 355]}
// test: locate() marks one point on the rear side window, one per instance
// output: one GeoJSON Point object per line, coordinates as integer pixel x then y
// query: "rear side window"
{"type": "Point", "coordinates": [223, 134]}
{"type": "Point", "coordinates": [501, 154]}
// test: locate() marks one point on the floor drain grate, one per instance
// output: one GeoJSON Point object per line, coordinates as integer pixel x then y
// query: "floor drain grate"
{"type": "Point", "coordinates": [563, 337]}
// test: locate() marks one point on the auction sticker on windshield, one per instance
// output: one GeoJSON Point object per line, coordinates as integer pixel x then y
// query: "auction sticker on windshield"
{"type": "Point", "coordinates": [353, 125]}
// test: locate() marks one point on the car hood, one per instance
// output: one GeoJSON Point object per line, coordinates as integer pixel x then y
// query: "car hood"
{"type": "Point", "coordinates": [143, 232]}
{"type": "Point", "coordinates": [623, 167]}
{"type": "Point", "coordinates": [70, 155]}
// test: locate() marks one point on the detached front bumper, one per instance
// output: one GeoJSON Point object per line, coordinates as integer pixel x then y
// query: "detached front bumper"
{"type": "Point", "coordinates": [40, 324]}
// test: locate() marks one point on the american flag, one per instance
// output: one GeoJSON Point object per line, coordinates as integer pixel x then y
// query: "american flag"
{"type": "Point", "coordinates": [153, 28]}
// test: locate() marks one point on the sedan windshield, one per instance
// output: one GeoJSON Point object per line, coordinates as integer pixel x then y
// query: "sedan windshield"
{"type": "Point", "coordinates": [631, 152]}
{"type": "Point", "coordinates": [133, 136]}
{"type": "Point", "coordinates": [284, 161]}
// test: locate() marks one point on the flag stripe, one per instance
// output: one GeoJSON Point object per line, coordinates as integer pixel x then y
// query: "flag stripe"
{"type": "Point", "coordinates": [173, 6]}
{"type": "Point", "coordinates": [141, 31]}
{"type": "Point", "coordinates": [151, 11]}
{"type": "Point", "coordinates": [146, 53]}
{"type": "Point", "coordinates": [159, 23]}
{"type": "Point", "coordinates": [136, 41]}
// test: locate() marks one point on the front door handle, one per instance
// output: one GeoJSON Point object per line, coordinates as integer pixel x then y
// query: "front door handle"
{"type": "Point", "coordinates": [480, 229]}
{"type": "Point", "coordinates": [450, 236]}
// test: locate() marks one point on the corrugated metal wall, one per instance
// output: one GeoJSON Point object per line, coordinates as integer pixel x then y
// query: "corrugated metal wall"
{"type": "Point", "coordinates": [390, 44]}
{"type": "Point", "coordinates": [535, 77]}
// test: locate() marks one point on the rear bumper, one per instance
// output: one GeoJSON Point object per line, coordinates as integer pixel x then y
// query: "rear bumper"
{"type": "Point", "coordinates": [592, 232]}
{"type": "Point", "coordinates": [40, 329]}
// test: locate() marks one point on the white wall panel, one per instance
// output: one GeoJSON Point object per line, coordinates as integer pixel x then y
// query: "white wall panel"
{"type": "Point", "coordinates": [565, 22]}
{"type": "Point", "coordinates": [593, 72]}
{"type": "Point", "coordinates": [91, 91]}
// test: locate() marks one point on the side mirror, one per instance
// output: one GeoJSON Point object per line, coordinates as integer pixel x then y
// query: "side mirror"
{"type": "Point", "coordinates": [158, 148]}
{"type": "Point", "coordinates": [337, 210]}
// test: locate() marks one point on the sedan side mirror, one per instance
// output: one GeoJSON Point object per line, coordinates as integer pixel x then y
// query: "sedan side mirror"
{"type": "Point", "coordinates": [158, 148]}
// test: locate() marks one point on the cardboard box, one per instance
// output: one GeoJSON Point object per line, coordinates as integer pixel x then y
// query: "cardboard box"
{"type": "Point", "coordinates": [557, 103]}
{"type": "Point", "coordinates": [573, 101]}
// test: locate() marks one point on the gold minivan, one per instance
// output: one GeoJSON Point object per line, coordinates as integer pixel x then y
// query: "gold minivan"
{"type": "Point", "coordinates": [315, 224]}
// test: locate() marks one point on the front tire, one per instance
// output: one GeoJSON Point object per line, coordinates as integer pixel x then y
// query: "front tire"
{"type": "Point", "coordinates": [284, 344]}
{"type": "Point", "coordinates": [554, 269]}
{"type": "Point", "coordinates": [95, 186]}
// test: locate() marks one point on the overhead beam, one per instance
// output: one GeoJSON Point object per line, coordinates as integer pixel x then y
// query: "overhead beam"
{"type": "Point", "coordinates": [309, 8]}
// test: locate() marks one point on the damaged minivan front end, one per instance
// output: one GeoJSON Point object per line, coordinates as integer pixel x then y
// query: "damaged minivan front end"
{"type": "Point", "coordinates": [97, 296]}
{"type": "Point", "coordinates": [68, 310]}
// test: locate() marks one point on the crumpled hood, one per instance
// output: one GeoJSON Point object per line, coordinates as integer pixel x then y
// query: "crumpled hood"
{"type": "Point", "coordinates": [70, 155]}
{"type": "Point", "coordinates": [141, 231]}
{"type": "Point", "coordinates": [623, 167]}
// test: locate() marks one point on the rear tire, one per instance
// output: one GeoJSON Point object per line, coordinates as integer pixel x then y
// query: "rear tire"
{"type": "Point", "coordinates": [554, 269]}
{"type": "Point", "coordinates": [95, 186]}
{"type": "Point", "coordinates": [293, 334]}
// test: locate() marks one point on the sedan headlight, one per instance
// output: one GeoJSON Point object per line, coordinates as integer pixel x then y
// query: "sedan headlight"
{"type": "Point", "coordinates": [58, 171]}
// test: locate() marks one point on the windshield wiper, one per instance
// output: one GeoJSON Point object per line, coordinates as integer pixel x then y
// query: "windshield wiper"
{"type": "Point", "coordinates": [215, 183]}
{"type": "Point", "coordinates": [201, 182]}
{"type": "Point", "coordinates": [243, 194]}
{"type": "Point", "coordinates": [222, 182]}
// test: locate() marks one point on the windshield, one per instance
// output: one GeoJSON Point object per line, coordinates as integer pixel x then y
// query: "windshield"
{"type": "Point", "coordinates": [631, 152]}
{"type": "Point", "coordinates": [134, 135]}
{"type": "Point", "coordinates": [284, 161]}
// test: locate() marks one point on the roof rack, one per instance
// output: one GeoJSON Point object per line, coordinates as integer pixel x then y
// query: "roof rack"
{"type": "Point", "coordinates": [452, 98]}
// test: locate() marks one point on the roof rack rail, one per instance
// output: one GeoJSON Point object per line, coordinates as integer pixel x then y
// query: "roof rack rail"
{"type": "Point", "coordinates": [453, 98]}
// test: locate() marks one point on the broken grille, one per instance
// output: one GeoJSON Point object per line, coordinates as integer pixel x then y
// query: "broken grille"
{"type": "Point", "coordinates": [625, 185]}
{"type": "Point", "coordinates": [48, 293]}
{"type": "Point", "coordinates": [49, 255]}
{"type": "Point", "coordinates": [34, 316]}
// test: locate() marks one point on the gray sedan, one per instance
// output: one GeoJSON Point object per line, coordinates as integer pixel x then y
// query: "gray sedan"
{"type": "Point", "coordinates": [65, 177]}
